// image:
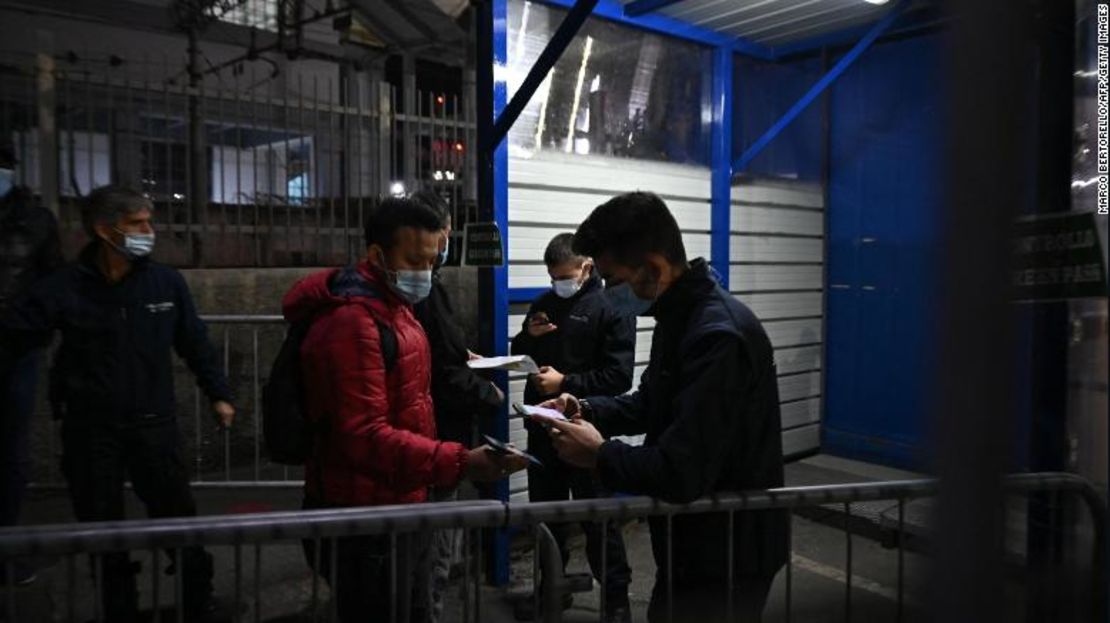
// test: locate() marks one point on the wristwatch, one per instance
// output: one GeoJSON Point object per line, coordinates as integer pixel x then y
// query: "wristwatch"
{"type": "Point", "coordinates": [586, 410]}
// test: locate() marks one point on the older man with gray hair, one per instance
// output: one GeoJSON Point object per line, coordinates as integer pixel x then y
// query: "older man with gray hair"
{"type": "Point", "coordinates": [120, 316]}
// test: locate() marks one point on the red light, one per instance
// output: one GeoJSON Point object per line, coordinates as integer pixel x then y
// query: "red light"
{"type": "Point", "coordinates": [458, 146]}
{"type": "Point", "coordinates": [439, 100]}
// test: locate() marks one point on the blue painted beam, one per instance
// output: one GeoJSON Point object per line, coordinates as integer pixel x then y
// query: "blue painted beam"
{"type": "Point", "coordinates": [819, 87]}
{"type": "Point", "coordinates": [721, 163]}
{"type": "Point", "coordinates": [637, 8]}
{"type": "Point", "coordinates": [613, 11]}
{"type": "Point", "coordinates": [554, 49]}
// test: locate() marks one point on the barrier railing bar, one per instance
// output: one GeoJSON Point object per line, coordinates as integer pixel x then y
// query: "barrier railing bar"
{"type": "Point", "coordinates": [237, 599]}
{"type": "Point", "coordinates": [155, 586]}
{"type": "Point", "coordinates": [901, 536]}
{"type": "Point", "coordinates": [789, 568]}
{"type": "Point", "coordinates": [670, 568]}
{"type": "Point", "coordinates": [729, 544]}
{"type": "Point", "coordinates": [848, 562]}
{"type": "Point", "coordinates": [604, 565]}
{"type": "Point", "coordinates": [178, 582]}
{"type": "Point", "coordinates": [258, 527]}
{"type": "Point", "coordinates": [71, 584]}
{"type": "Point", "coordinates": [257, 583]}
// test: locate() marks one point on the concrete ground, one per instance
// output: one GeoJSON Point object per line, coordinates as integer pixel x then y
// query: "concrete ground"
{"type": "Point", "coordinates": [274, 585]}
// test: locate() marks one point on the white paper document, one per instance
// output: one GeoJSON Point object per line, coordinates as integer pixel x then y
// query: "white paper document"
{"type": "Point", "coordinates": [513, 363]}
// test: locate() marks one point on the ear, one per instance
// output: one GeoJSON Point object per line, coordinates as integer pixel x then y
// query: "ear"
{"type": "Point", "coordinates": [658, 265]}
{"type": "Point", "coordinates": [102, 231]}
{"type": "Point", "coordinates": [374, 255]}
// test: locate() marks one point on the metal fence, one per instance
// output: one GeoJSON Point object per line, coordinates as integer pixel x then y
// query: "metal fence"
{"type": "Point", "coordinates": [261, 533]}
{"type": "Point", "coordinates": [256, 164]}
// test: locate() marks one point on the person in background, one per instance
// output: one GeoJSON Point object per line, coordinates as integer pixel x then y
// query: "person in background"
{"type": "Point", "coordinates": [121, 315]}
{"type": "Point", "coordinates": [586, 347]}
{"type": "Point", "coordinates": [708, 404]}
{"type": "Point", "coordinates": [366, 372]}
{"type": "Point", "coordinates": [29, 250]}
{"type": "Point", "coordinates": [459, 394]}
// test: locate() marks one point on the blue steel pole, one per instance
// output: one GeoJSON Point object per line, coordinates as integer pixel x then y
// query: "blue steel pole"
{"type": "Point", "coordinates": [500, 196]}
{"type": "Point", "coordinates": [721, 184]}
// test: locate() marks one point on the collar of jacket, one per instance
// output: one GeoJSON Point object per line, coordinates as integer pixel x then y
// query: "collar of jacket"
{"type": "Point", "coordinates": [86, 262]}
{"type": "Point", "coordinates": [591, 284]}
{"type": "Point", "coordinates": [693, 285]}
{"type": "Point", "coordinates": [375, 280]}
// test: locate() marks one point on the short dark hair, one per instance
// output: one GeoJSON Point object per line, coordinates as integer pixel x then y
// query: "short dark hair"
{"type": "Point", "coordinates": [109, 204]}
{"type": "Point", "coordinates": [561, 250]}
{"type": "Point", "coordinates": [394, 213]}
{"type": "Point", "coordinates": [628, 227]}
{"type": "Point", "coordinates": [433, 201]}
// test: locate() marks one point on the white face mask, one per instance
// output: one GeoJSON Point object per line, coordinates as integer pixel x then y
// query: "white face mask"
{"type": "Point", "coordinates": [566, 288]}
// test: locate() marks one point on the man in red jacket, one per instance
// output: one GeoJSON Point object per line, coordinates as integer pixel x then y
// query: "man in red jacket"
{"type": "Point", "coordinates": [366, 367]}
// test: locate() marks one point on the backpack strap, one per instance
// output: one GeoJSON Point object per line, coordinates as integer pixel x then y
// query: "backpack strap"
{"type": "Point", "coordinates": [348, 282]}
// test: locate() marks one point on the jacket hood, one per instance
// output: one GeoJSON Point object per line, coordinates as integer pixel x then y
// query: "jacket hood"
{"type": "Point", "coordinates": [330, 288]}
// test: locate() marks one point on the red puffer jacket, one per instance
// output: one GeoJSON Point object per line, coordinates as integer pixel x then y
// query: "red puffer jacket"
{"type": "Point", "coordinates": [377, 440]}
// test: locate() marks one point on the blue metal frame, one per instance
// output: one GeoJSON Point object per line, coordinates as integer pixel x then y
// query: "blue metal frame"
{"type": "Point", "coordinates": [637, 8]}
{"type": "Point", "coordinates": [614, 11]}
{"type": "Point", "coordinates": [815, 91]}
{"type": "Point", "coordinates": [721, 162]}
{"type": "Point", "coordinates": [501, 273]}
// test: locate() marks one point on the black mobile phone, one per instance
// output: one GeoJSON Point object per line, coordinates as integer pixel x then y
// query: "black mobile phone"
{"type": "Point", "coordinates": [499, 447]}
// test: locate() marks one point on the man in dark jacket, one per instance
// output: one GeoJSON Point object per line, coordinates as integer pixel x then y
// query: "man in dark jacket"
{"type": "Point", "coordinates": [460, 396]}
{"type": "Point", "coordinates": [29, 249]}
{"type": "Point", "coordinates": [120, 316]}
{"type": "Point", "coordinates": [584, 347]}
{"type": "Point", "coordinates": [708, 404]}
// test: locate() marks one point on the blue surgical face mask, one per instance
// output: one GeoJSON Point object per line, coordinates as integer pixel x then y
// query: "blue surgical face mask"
{"type": "Point", "coordinates": [626, 302]}
{"type": "Point", "coordinates": [412, 285]}
{"type": "Point", "coordinates": [7, 179]}
{"type": "Point", "coordinates": [135, 246]}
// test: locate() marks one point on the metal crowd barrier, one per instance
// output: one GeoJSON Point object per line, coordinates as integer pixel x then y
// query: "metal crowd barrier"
{"type": "Point", "coordinates": [254, 531]}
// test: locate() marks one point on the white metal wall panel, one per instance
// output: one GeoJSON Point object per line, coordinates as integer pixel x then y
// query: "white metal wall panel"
{"type": "Point", "coordinates": [777, 254]}
{"type": "Point", "coordinates": [801, 359]}
{"type": "Point", "coordinates": [749, 278]}
{"type": "Point", "coordinates": [609, 175]}
{"type": "Point", "coordinates": [527, 243]}
{"type": "Point", "coordinates": [770, 220]}
{"type": "Point", "coordinates": [775, 249]}
{"type": "Point", "coordinates": [784, 333]}
{"type": "Point", "coordinates": [547, 205]}
{"type": "Point", "coordinates": [784, 305]}
{"type": "Point", "coordinates": [801, 439]}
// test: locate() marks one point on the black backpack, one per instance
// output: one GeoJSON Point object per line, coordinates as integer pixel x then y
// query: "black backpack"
{"type": "Point", "coordinates": [286, 429]}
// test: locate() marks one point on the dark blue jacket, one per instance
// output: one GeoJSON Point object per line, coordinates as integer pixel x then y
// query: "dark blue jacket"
{"type": "Point", "coordinates": [114, 363]}
{"type": "Point", "coordinates": [594, 347]}
{"type": "Point", "coordinates": [709, 406]}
